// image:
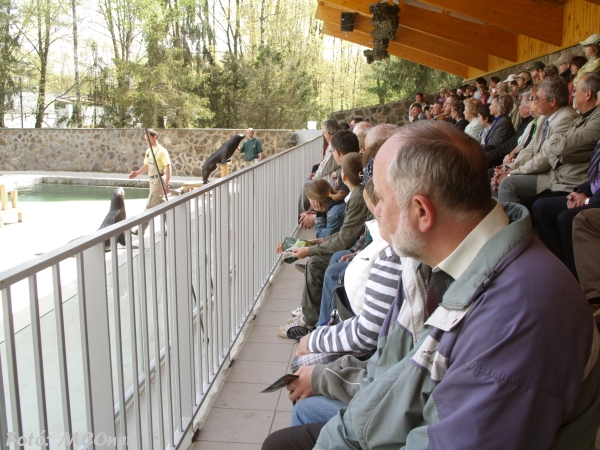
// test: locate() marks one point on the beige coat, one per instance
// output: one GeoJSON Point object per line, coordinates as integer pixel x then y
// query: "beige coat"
{"type": "Point", "coordinates": [570, 156]}
{"type": "Point", "coordinates": [533, 159]}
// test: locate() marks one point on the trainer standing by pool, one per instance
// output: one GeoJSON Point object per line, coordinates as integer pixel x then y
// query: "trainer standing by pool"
{"type": "Point", "coordinates": [251, 148]}
{"type": "Point", "coordinates": [163, 170]}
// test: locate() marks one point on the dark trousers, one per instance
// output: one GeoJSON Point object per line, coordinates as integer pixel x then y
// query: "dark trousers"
{"type": "Point", "coordinates": [301, 437]}
{"type": "Point", "coordinates": [554, 221]}
{"type": "Point", "coordinates": [586, 246]}
{"type": "Point", "coordinates": [547, 193]}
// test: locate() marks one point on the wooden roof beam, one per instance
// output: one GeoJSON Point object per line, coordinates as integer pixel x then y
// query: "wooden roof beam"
{"type": "Point", "coordinates": [526, 17]}
{"type": "Point", "coordinates": [491, 40]}
{"type": "Point", "coordinates": [415, 39]}
{"type": "Point", "coordinates": [400, 51]}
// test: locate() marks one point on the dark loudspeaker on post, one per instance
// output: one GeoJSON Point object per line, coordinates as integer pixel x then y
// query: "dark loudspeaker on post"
{"type": "Point", "coordinates": [347, 23]}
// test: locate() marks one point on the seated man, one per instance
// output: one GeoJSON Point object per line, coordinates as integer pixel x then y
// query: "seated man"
{"type": "Point", "coordinates": [532, 172]}
{"type": "Point", "coordinates": [320, 254]}
{"type": "Point", "coordinates": [416, 112]}
{"type": "Point", "coordinates": [438, 111]}
{"type": "Point", "coordinates": [554, 216]}
{"type": "Point", "coordinates": [361, 131]}
{"type": "Point", "coordinates": [450, 99]}
{"type": "Point", "coordinates": [508, 359]}
{"type": "Point", "coordinates": [569, 156]}
{"type": "Point", "coordinates": [586, 242]}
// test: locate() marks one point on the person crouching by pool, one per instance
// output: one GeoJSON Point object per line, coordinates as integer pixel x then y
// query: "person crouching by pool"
{"type": "Point", "coordinates": [156, 196]}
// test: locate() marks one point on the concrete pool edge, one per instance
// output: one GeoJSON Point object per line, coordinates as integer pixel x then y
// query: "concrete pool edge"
{"type": "Point", "coordinates": [86, 179]}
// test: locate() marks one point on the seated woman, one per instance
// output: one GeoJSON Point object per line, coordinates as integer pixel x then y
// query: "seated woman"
{"type": "Point", "coordinates": [474, 129]}
{"type": "Point", "coordinates": [485, 95]}
{"type": "Point", "coordinates": [502, 128]}
{"type": "Point", "coordinates": [576, 63]}
{"type": "Point", "coordinates": [428, 112]}
{"type": "Point", "coordinates": [458, 109]}
{"type": "Point", "coordinates": [329, 204]}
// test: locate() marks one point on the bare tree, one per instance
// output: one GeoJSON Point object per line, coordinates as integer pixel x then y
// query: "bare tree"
{"type": "Point", "coordinates": [77, 115]}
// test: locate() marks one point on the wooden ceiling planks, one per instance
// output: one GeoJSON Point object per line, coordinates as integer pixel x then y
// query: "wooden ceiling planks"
{"type": "Point", "coordinates": [400, 51]}
{"type": "Point", "coordinates": [491, 40]}
{"type": "Point", "coordinates": [415, 39]}
{"type": "Point", "coordinates": [526, 17]}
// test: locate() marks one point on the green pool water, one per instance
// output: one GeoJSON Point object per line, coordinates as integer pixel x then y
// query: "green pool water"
{"type": "Point", "coordinates": [65, 193]}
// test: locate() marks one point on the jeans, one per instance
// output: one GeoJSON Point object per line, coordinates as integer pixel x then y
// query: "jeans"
{"type": "Point", "coordinates": [330, 281]}
{"type": "Point", "coordinates": [315, 409]}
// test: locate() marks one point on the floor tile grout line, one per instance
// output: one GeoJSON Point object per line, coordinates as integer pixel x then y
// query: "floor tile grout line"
{"type": "Point", "coordinates": [274, 414]}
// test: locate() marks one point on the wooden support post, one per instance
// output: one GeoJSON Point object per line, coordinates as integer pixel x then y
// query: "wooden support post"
{"type": "Point", "coordinates": [14, 200]}
{"type": "Point", "coordinates": [224, 170]}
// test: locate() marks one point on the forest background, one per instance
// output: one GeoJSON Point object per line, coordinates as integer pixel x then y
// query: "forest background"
{"type": "Point", "coordinates": [197, 63]}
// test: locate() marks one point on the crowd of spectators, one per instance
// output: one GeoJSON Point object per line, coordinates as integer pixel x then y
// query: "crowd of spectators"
{"type": "Point", "coordinates": [432, 315]}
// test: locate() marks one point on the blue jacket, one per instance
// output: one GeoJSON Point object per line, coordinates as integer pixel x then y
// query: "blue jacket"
{"type": "Point", "coordinates": [331, 221]}
{"type": "Point", "coordinates": [507, 361]}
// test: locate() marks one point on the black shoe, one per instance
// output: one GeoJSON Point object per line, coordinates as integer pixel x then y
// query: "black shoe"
{"type": "Point", "coordinates": [300, 268]}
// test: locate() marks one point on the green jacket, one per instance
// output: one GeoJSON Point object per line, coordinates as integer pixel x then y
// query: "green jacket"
{"type": "Point", "coordinates": [354, 224]}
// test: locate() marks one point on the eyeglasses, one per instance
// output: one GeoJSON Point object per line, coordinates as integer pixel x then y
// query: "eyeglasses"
{"type": "Point", "coordinates": [541, 99]}
{"type": "Point", "coordinates": [533, 99]}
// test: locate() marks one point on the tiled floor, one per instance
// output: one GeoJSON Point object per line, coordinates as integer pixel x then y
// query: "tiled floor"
{"type": "Point", "coordinates": [241, 417]}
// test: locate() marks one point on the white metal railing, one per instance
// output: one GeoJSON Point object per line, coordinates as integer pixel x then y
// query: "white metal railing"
{"type": "Point", "coordinates": [122, 348]}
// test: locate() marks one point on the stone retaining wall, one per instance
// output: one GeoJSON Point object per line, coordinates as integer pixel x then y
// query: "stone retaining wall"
{"type": "Point", "coordinates": [394, 112]}
{"type": "Point", "coordinates": [121, 150]}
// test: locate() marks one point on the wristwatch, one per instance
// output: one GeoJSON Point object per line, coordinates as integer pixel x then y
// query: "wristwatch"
{"type": "Point", "coordinates": [587, 201]}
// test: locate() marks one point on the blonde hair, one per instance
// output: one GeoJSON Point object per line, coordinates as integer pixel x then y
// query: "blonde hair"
{"type": "Point", "coordinates": [321, 191]}
{"type": "Point", "coordinates": [471, 105]}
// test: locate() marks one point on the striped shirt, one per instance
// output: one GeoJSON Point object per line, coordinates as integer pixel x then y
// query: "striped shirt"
{"type": "Point", "coordinates": [360, 333]}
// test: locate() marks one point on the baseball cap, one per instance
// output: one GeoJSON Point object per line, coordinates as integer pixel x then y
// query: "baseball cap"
{"type": "Point", "coordinates": [536, 65]}
{"type": "Point", "coordinates": [511, 77]}
{"type": "Point", "coordinates": [563, 59]}
{"type": "Point", "coordinates": [593, 39]}
{"type": "Point", "coordinates": [525, 75]}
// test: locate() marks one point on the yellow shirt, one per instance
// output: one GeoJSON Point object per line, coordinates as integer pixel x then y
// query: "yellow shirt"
{"type": "Point", "coordinates": [162, 158]}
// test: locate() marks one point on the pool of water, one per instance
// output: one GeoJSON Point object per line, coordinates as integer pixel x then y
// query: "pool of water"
{"type": "Point", "coordinates": [65, 192]}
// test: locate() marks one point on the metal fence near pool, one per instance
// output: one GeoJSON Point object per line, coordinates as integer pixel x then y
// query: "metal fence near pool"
{"type": "Point", "coordinates": [121, 349]}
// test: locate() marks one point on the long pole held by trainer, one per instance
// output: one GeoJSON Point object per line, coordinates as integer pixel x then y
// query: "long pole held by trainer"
{"type": "Point", "coordinates": [156, 165]}
{"type": "Point", "coordinates": [166, 198]}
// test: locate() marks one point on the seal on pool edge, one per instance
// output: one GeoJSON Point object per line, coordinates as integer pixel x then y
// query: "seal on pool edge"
{"type": "Point", "coordinates": [116, 214]}
{"type": "Point", "coordinates": [221, 156]}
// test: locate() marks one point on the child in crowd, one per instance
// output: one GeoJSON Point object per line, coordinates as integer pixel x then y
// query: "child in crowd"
{"type": "Point", "coordinates": [329, 204]}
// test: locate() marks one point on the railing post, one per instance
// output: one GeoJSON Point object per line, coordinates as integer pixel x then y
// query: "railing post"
{"type": "Point", "coordinates": [96, 338]}
{"type": "Point", "coordinates": [180, 232]}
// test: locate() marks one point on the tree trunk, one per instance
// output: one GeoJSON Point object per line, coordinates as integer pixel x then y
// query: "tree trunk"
{"type": "Point", "coordinates": [43, 46]}
{"type": "Point", "coordinates": [77, 115]}
{"type": "Point", "coordinates": [5, 53]}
